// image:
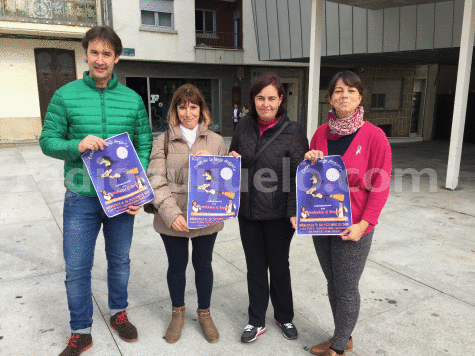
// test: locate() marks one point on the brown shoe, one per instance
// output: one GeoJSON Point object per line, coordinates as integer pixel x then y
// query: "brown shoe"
{"type": "Point", "coordinates": [330, 352]}
{"type": "Point", "coordinates": [176, 324]}
{"type": "Point", "coordinates": [207, 325]}
{"type": "Point", "coordinates": [320, 349]}
{"type": "Point", "coordinates": [77, 344]}
{"type": "Point", "coordinates": [127, 332]}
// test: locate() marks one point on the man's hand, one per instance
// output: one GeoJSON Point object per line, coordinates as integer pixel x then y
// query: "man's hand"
{"type": "Point", "coordinates": [92, 143]}
{"type": "Point", "coordinates": [133, 210]}
{"type": "Point", "coordinates": [180, 224]}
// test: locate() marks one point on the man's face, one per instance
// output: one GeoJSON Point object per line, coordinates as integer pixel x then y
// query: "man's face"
{"type": "Point", "coordinates": [101, 59]}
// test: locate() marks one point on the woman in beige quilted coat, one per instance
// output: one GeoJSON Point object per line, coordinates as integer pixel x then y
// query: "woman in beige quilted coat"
{"type": "Point", "coordinates": [188, 119]}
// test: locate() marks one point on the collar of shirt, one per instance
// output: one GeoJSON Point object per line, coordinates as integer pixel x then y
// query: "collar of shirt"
{"type": "Point", "coordinates": [189, 135]}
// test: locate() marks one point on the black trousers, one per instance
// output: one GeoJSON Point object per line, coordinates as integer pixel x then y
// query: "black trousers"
{"type": "Point", "coordinates": [266, 245]}
{"type": "Point", "coordinates": [201, 257]}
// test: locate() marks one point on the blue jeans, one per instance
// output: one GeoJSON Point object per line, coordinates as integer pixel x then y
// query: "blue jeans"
{"type": "Point", "coordinates": [82, 220]}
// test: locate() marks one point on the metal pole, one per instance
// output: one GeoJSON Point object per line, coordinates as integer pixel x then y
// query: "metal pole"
{"type": "Point", "coordinates": [314, 70]}
{"type": "Point", "coordinates": [461, 95]}
{"type": "Point", "coordinates": [99, 12]}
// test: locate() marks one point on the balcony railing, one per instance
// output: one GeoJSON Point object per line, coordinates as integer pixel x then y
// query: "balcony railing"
{"type": "Point", "coordinates": [55, 12]}
{"type": "Point", "coordinates": [232, 40]}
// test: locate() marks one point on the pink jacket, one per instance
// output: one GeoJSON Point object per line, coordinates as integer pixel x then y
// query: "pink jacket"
{"type": "Point", "coordinates": [368, 163]}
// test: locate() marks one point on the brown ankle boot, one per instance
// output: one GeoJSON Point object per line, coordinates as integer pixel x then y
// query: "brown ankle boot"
{"type": "Point", "coordinates": [176, 324]}
{"type": "Point", "coordinates": [207, 325]}
{"type": "Point", "coordinates": [320, 349]}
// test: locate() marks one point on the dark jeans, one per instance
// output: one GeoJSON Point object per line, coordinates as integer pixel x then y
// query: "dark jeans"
{"type": "Point", "coordinates": [234, 125]}
{"type": "Point", "coordinates": [201, 257]}
{"type": "Point", "coordinates": [343, 263]}
{"type": "Point", "coordinates": [266, 245]}
{"type": "Point", "coordinates": [82, 220]}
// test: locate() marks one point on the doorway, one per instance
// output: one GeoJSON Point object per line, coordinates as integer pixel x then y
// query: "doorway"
{"type": "Point", "coordinates": [418, 101]}
{"type": "Point", "coordinates": [291, 89]}
{"type": "Point", "coordinates": [54, 68]}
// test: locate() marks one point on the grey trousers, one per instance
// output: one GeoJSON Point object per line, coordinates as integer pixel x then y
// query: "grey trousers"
{"type": "Point", "coordinates": [343, 263]}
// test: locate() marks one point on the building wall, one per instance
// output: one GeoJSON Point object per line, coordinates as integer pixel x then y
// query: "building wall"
{"type": "Point", "coordinates": [400, 118]}
{"type": "Point", "coordinates": [177, 45]}
{"type": "Point", "coordinates": [20, 111]}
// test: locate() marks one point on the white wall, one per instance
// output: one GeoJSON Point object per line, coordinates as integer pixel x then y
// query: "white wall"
{"type": "Point", "coordinates": [19, 89]}
{"type": "Point", "coordinates": [20, 109]}
{"type": "Point", "coordinates": [156, 46]}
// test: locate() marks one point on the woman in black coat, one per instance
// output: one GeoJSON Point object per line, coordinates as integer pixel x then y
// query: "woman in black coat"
{"type": "Point", "coordinates": [268, 202]}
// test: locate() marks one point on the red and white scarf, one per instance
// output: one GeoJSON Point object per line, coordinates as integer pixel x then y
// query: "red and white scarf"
{"type": "Point", "coordinates": [343, 127]}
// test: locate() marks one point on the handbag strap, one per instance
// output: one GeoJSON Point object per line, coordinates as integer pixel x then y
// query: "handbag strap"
{"type": "Point", "coordinates": [167, 139]}
{"type": "Point", "coordinates": [254, 158]}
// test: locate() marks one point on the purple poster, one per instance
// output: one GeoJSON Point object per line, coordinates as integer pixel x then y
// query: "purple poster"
{"type": "Point", "coordinates": [213, 190]}
{"type": "Point", "coordinates": [118, 176]}
{"type": "Point", "coordinates": [323, 198]}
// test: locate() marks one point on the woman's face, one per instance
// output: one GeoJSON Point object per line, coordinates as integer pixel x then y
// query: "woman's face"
{"type": "Point", "coordinates": [267, 103]}
{"type": "Point", "coordinates": [345, 99]}
{"type": "Point", "coordinates": [188, 114]}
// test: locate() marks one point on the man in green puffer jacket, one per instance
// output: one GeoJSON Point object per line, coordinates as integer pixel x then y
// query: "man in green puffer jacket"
{"type": "Point", "coordinates": [81, 115]}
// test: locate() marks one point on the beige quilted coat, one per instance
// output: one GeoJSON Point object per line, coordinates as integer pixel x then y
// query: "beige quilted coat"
{"type": "Point", "coordinates": [169, 178]}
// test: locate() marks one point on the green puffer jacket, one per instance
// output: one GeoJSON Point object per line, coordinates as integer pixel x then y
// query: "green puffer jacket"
{"type": "Point", "coordinates": [79, 109]}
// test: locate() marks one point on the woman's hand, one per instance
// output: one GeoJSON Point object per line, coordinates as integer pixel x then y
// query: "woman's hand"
{"type": "Point", "coordinates": [313, 156]}
{"type": "Point", "coordinates": [180, 224]}
{"type": "Point", "coordinates": [355, 231]}
{"type": "Point", "coordinates": [293, 221]}
{"type": "Point", "coordinates": [133, 210]}
{"type": "Point", "coordinates": [201, 153]}
{"type": "Point", "coordinates": [234, 154]}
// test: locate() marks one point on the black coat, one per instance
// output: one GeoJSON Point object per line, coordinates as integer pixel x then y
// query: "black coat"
{"type": "Point", "coordinates": [269, 194]}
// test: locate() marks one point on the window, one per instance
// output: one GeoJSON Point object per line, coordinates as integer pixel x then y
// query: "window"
{"type": "Point", "coordinates": [387, 94]}
{"type": "Point", "coordinates": [205, 21]}
{"type": "Point", "coordinates": [157, 13]}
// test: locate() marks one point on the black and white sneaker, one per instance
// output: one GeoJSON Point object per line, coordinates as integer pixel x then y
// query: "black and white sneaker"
{"type": "Point", "coordinates": [252, 332]}
{"type": "Point", "coordinates": [288, 330]}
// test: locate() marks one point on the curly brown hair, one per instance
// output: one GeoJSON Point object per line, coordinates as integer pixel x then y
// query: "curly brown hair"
{"type": "Point", "coordinates": [188, 93]}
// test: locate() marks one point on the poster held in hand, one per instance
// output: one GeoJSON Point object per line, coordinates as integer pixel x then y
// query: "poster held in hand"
{"type": "Point", "coordinates": [213, 190]}
{"type": "Point", "coordinates": [323, 197]}
{"type": "Point", "coordinates": [117, 175]}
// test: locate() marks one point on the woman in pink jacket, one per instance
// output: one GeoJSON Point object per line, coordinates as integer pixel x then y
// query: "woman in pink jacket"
{"type": "Point", "coordinates": [367, 156]}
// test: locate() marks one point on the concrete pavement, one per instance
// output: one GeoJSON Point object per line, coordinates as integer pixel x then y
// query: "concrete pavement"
{"type": "Point", "coordinates": [417, 291]}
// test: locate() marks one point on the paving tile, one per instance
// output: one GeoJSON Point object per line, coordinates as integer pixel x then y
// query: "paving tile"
{"type": "Point", "coordinates": [437, 325]}
{"type": "Point", "coordinates": [17, 184]}
{"type": "Point", "coordinates": [36, 242]}
{"type": "Point", "coordinates": [20, 207]}
{"type": "Point", "coordinates": [229, 311]}
{"type": "Point", "coordinates": [35, 319]}
{"type": "Point", "coordinates": [446, 265]}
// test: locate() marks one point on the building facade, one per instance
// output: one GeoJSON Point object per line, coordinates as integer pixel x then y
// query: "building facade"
{"type": "Point", "coordinates": [210, 43]}
{"type": "Point", "coordinates": [407, 56]}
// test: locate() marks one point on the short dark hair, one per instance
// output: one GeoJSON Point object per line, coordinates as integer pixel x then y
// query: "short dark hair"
{"type": "Point", "coordinates": [349, 78]}
{"type": "Point", "coordinates": [104, 33]}
{"type": "Point", "coordinates": [262, 82]}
